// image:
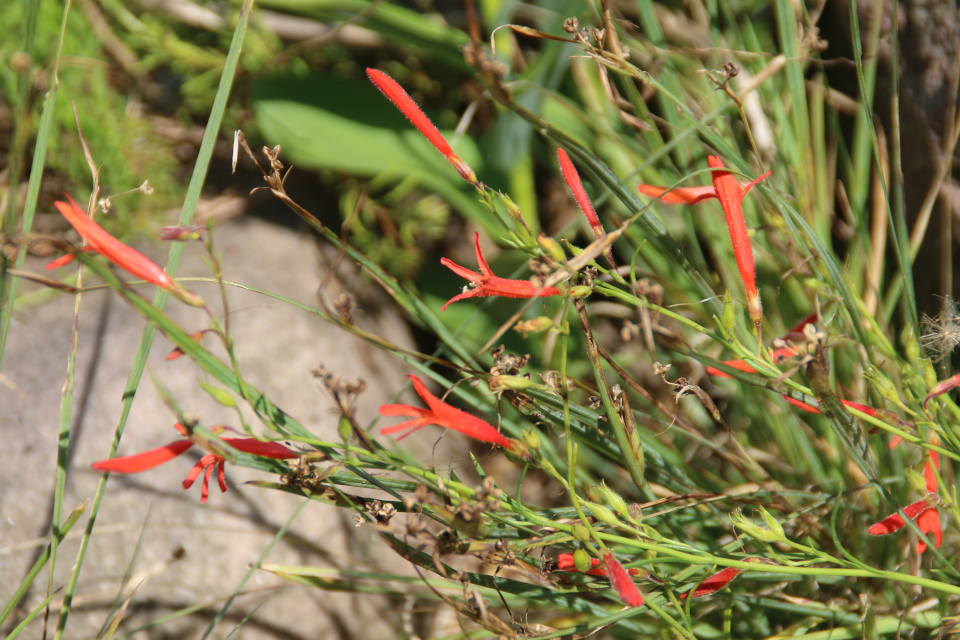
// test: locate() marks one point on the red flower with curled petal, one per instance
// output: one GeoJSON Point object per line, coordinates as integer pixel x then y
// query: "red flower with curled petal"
{"type": "Point", "coordinates": [488, 284]}
{"type": "Point", "coordinates": [155, 457]}
{"type": "Point", "coordinates": [444, 415]}
{"type": "Point", "coordinates": [123, 256]}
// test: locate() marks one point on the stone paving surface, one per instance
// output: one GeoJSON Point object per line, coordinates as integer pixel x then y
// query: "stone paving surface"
{"type": "Point", "coordinates": [191, 553]}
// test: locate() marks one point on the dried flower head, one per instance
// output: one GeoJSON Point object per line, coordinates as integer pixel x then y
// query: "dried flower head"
{"type": "Point", "coordinates": [941, 334]}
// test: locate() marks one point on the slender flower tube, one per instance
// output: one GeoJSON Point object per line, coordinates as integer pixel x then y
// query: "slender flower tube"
{"type": "Point", "coordinates": [395, 94]}
{"type": "Point", "coordinates": [155, 457]}
{"type": "Point", "coordinates": [730, 193]}
{"type": "Point", "coordinates": [444, 415]}
{"type": "Point", "coordinates": [572, 178]}
{"type": "Point", "coordinates": [620, 581]}
{"type": "Point", "coordinates": [489, 284]}
{"type": "Point", "coordinates": [123, 256]}
{"type": "Point", "coordinates": [731, 200]}
{"type": "Point", "coordinates": [712, 584]}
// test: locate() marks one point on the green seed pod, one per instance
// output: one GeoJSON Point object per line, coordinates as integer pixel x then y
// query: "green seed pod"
{"type": "Point", "coordinates": [614, 499]}
{"type": "Point", "coordinates": [551, 247]}
{"type": "Point", "coordinates": [729, 317]}
{"type": "Point", "coordinates": [344, 429]}
{"type": "Point", "coordinates": [911, 348]}
{"type": "Point", "coordinates": [579, 291]}
{"type": "Point", "coordinates": [580, 533]}
{"type": "Point", "coordinates": [603, 514]}
{"type": "Point", "coordinates": [755, 531]}
{"type": "Point", "coordinates": [512, 208]}
{"type": "Point", "coordinates": [581, 560]}
{"type": "Point", "coordinates": [221, 396]}
{"type": "Point", "coordinates": [531, 439]}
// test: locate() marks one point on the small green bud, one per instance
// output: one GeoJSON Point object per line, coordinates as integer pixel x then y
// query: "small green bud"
{"type": "Point", "coordinates": [772, 523]}
{"type": "Point", "coordinates": [512, 208]}
{"type": "Point", "coordinates": [603, 514]}
{"type": "Point", "coordinates": [581, 560]}
{"type": "Point", "coordinates": [729, 317]}
{"type": "Point", "coordinates": [551, 247]}
{"type": "Point", "coordinates": [511, 383]}
{"type": "Point", "coordinates": [911, 348]}
{"type": "Point", "coordinates": [221, 396]}
{"type": "Point", "coordinates": [614, 499]}
{"type": "Point", "coordinates": [579, 291]}
{"type": "Point", "coordinates": [883, 385]}
{"type": "Point", "coordinates": [580, 533]}
{"type": "Point", "coordinates": [344, 429]}
{"type": "Point", "coordinates": [531, 439]}
{"type": "Point", "coordinates": [535, 325]}
{"type": "Point", "coordinates": [916, 480]}
{"type": "Point", "coordinates": [750, 528]}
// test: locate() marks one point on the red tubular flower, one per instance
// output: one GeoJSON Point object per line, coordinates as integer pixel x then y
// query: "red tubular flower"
{"type": "Point", "coordinates": [493, 285]}
{"type": "Point", "coordinates": [730, 193]}
{"type": "Point", "coordinates": [620, 581]}
{"type": "Point", "coordinates": [442, 414]}
{"type": "Point", "coordinates": [195, 336]}
{"type": "Point", "coordinates": [572, 178]}
{"type": "Point", "coordinates": [731, 200]}
{"type": "Point", "coordinates": [565, 563]}
{"type": "Point", "coordinates": [941, 388]}
{"type": "Point", "coordinates": [712, 584]}
{"type": "Point", "coordinates": [155, 457]}
{"type": "Point", "coordinates": [401, 100]}
{"type": "Point", "coordinates": [118, 253]}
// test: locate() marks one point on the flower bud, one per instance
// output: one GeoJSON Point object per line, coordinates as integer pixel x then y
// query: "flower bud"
{"type": "Point", "coordinates": [531, 439]}
{"type": "Point", "coordinates": [582, 561]}
{"type": "Point", "coordinates": [535, 325]}
{"type": "Point", "coordinates": [603, 514]}
{"type": "Point", "coordinates": [614, 499]}
{"type": "Point", "coordinates": [729, 317]}
{"type": "Point", "coordinates": [580, 533]}
{"type": "Point", "coordinates": [551, 247]}
{"type": "Point", "coordinates": [750, 528]}
{"type": "Point", "coordinates": [579, 291]}
{"type": "Point", "coordinates": [344, 429]}
{"type": "Point", "coordinates": [512, 208]}
{"type": "Point", "coordinates": [511, 383]}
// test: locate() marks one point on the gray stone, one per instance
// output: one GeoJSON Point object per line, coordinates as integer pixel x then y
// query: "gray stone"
{"type": "Point", "coordinates": [191, 553]}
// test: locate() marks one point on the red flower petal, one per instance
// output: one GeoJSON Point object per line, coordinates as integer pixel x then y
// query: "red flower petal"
{"type": "Point", "coordinates": [894, 523]}
{"type": "Point", "coordinates": [713, 584]}
{"type": "Point", "coordinates": [620, 581]}
{"type": "Point", "coordinates": [678, 195]}
{"type": "Point", "coordinates": [395, 93]}
{"type": "Point", "coordinates": [142, 461]}
{"type": "Point", "coordinates": [260, 448]}
{"type": "Point", "coordinates": [929, 523]}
